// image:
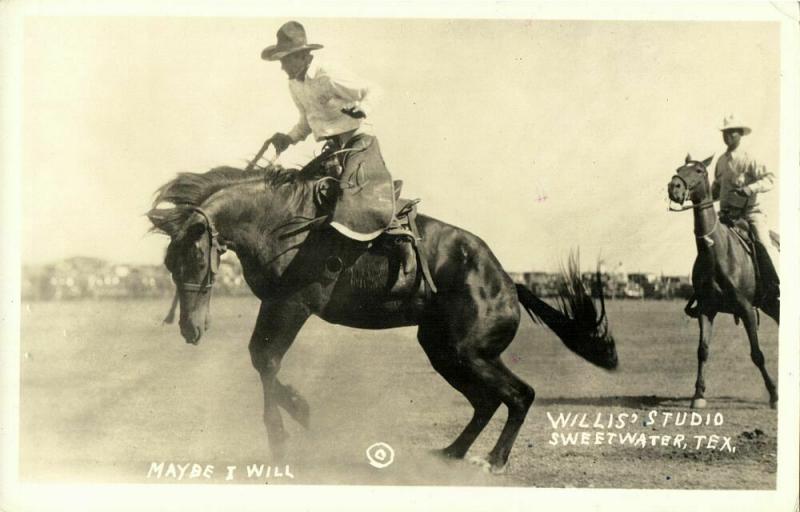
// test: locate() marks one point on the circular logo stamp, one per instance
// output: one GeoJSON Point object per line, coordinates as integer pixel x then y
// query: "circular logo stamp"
{"type": "Point", "coordinates": [380, 455]}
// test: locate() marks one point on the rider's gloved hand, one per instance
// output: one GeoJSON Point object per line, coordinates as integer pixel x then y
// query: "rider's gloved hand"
{"type": "Point", "coordinates": [281, 141]}
{"type": "Point", "coordinates": [744, 191]}
{"type": "Point", "coordinates": [354, 112]}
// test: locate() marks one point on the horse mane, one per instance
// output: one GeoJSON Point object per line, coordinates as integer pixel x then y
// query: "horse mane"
{"type": "Point", "coordinates": [189, 189]}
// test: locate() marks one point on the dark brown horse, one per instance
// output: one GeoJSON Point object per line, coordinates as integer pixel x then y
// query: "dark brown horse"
{"type": "Point", "coordinates": [463, 328]}
{"type": "Point", "coordinates": [723, 275]}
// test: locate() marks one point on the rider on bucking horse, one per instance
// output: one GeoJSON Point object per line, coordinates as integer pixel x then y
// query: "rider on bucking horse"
{"type": "Point", "coordinates": [333, 106]}
{"type": "Point", "coordinates": [738, 180]}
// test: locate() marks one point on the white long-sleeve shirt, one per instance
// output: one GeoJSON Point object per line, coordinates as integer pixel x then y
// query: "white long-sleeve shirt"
{"type": "Point", "coordinates": [320, 98]}
{"type": "Point", "coordinates": [735, 170]}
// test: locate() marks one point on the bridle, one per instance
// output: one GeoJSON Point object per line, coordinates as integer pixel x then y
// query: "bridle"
{"type": "Point", "coordinates": [708, 203]}
{"type": "Point", "coordinates": [213, 259]}
{"type": "Point", "coordinates": [214, 250]}
{"type": "Point", "coordinates": [701, 205]}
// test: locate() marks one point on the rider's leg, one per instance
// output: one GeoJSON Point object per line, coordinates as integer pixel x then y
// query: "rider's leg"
{"type": "Point", "coordinates": [760, 230]}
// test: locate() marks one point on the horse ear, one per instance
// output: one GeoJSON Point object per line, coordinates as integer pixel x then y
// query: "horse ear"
{"type": "Point", "coordinates": [707, 161]}
{"type": "Point", "coordinates": [688, 158]}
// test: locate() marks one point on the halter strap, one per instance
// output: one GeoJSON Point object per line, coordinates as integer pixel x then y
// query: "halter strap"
{"type": "Point", "coordinates": [208, 280]}
{"type": "Point", "coordinates": [708, 203]}
{"type": "Point", "coordinates": [213, 267]}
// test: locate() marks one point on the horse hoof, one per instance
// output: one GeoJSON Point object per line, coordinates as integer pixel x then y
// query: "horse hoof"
{"type": "Point", "coordinates": [300, 411]}
{"type": "Point", "coordinates": [487, 466]}
{"type": "Point", "coordinates": [303, 417]}
{"type": "Point", "coordinates": [699, 403]}
{"type": "Point", "coordinates": [498, 470]}
{"type": "Point", "coordinates": [481, 463]}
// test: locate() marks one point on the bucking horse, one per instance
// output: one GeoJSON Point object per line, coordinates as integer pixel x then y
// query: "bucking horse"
{"type": "Point", "coordinates": [466, 306]}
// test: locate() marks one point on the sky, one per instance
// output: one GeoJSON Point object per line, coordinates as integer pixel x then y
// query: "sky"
{"type": "Point", "coordinates": [539, 136]}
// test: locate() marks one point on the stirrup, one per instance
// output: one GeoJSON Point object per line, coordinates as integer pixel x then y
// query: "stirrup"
{"type": "Point", "coordinates": [397, 232]}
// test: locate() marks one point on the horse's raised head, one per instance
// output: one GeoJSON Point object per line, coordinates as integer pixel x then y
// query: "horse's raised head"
{"type": "Point", "coordinates": [690, 181]}
{"type": "Point", "coordinates": [193, 257]}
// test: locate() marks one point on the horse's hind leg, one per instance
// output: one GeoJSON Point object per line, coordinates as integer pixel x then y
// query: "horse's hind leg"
{"type": "Point", "coordinates": [447, 363]}
{"type": "Point", "coordinates": [276, 327]}
{"type": "Point", "coordinates": [706, 321]}
{"type": "Point", "coordinates": [518, 397]}
{"type": "Point", "coordinates": [485, 382]}
{"type": "Point", "coordinates": [757, 356]}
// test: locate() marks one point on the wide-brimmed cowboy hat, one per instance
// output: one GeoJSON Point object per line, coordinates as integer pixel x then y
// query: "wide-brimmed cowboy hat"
{"type": "Point", "coordinates": [731, 123]}
{"type": "Point", "coordinates": [291, 38]}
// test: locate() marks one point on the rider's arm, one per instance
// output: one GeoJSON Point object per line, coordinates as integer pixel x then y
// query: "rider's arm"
{"type": "Point", "coordinates": [301, 130]}
{"type": "Point", "coordinates": [758, 178]}
{"type": "Point", "coordinates": [354, 92]}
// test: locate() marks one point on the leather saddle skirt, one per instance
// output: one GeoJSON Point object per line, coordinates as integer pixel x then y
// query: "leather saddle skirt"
{"type": "Point", "coordinates": [366, 201]}
{"type": "Point", "coordinates": [741, 229]}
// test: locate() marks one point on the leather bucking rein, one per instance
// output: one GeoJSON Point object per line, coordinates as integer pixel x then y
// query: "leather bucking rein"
{"type": "Point", "coordinates": [214, 252]}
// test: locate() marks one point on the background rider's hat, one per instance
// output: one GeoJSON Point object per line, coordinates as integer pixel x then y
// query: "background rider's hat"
{"type": "Point", "coordinates": [731, 123]}
{"type": "Point", "coordinates": [291, 38]}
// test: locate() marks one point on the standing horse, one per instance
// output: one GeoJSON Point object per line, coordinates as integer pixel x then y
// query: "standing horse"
{"type": "Point", "coordinates": [723, 275]}
{"type": "Point", "coordinates": [463, 327]}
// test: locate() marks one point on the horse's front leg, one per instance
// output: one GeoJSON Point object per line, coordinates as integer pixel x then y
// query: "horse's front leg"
{"type": "Point", "coordinates": [706, 321]}
{"type": "Point", "coordinates": [276, 328]}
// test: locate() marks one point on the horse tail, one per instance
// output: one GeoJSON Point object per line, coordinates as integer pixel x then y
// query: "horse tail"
{"type": "Point", "coordinates": [575, 321]}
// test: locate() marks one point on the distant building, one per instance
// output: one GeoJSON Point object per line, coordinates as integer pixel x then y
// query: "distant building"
{"type": "Point", "coordinates": [674, 287]}
{"type": "Point", "coordinates": [646, 282]}
{"type": "Point", "coordinates": [92, 278]}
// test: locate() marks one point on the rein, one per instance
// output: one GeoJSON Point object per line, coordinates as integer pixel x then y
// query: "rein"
{"type": "Point", "coordinates": [708, 203]}
{"type": "Point", "coordinates": [213, 267]}
{"type": "Point", "coordinates": [705, 204]}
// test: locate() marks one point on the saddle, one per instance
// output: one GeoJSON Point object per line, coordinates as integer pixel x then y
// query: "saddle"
{"type": "Point", "coordinates": [741, 228]}
{"type": "Point", "coordinates": [345, 203]}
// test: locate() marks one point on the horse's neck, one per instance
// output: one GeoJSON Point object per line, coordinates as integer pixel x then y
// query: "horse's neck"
{"type": "Point", "coordinates": [706, 225]}
{"type": "Point", "coordinates": [248, 217]}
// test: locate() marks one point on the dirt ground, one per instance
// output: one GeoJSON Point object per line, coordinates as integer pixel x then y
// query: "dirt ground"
{"type": "Point", "coordinates": [109, 395]}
